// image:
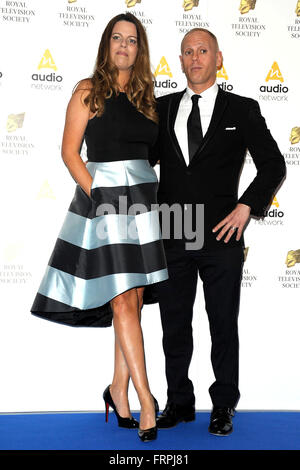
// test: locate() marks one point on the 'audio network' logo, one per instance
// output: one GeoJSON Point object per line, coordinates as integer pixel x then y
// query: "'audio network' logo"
{"type": "Point", "coordinates": [273, 216]}
{"type": "Point", "coordinates": [164, 69]}
{"type": "Point", "coordinates": [276, 92]}
{"type": "Point", "coordinates": [47, 81]}
{"type": "Point", "coordinates": [222, 74]}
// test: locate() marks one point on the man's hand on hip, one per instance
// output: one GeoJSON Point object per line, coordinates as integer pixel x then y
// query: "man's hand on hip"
{"type": "Point", "coordinates": [235, 221]}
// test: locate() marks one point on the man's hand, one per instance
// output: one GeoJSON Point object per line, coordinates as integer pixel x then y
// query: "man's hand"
{"type": "Point", "coordinates": [236, 220]}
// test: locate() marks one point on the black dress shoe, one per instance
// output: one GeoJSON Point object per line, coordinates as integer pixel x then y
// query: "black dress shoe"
{"type": "Point", "coordinates": [221, 421]}
{"type": "Point", "coordinates": [147, 435]}
{"type": "Point", "coordinates": [150, 434]}
{"type": "Point", "coordinates": [174, 414]}
{"type": "Point", "coordinates": [128, 423]}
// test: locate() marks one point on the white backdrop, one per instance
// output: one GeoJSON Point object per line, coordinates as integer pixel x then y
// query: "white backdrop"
{"type": "Point", "coordinates": [46, 47]}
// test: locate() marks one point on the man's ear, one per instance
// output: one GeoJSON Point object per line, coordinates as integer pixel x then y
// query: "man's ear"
{"type": "Point", "coordinates": [219, 60]}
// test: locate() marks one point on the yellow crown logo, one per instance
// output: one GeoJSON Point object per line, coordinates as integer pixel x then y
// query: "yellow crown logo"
{"type": "Point", "coordinates": [295, 135]}
{"type": "Point", "coordinates": [222, 73]}
{"type": "Point", "coordinates": [72, 1]}
{"type": "Point", "coordinates": [189, 4]}
{"type": "Point", "coordinates": [247, 5]}
{"type": "Point", "coordinates": [14, 121]}
{"type": "Point", "coordinates": [132, 3]}
{"type": "Point", "coordinates": [45, 192]}
{"type": "Point", "coordinates": [163, 68]}
{"type": "Point", "coordinates": [274, 73]}
{"type": "Point", "coordinates": [47, 61]}
{"type": "Point", "coordinates": [275, 202]}
{"type": "Point", "coordinates": [298, 8]}
{"type": "Point", "coordinates": [292, 258]}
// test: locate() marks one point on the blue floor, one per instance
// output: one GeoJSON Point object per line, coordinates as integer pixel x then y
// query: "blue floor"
{"type": "Point", "coordinates": [88, 431]}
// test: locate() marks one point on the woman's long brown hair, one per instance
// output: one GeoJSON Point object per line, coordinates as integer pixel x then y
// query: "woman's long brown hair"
{"type": "Point", "coordinates": [139, 88]}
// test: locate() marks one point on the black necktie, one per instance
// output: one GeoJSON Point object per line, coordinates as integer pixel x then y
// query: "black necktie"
{"type": "Point", "coordinates": [194, 128]}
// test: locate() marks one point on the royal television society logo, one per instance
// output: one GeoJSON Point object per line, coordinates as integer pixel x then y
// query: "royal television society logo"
{"type": "Point", "coordinates": [295, 135]}
{"type": "Point", "coordinates": [16, 12]}
{"type": "Point", "coordinates": [292, 156]}
{"type": "Point", "coordinates": [14, 122]}
{"type": "Point", "coordinates": [50, 80]}
{"type": "Point", "coordinates": [249, 278]}
{"type": "Point", "coordinates": [132, 3]}
{"type": "Point", "coordinates": [292, 257]}
{"type": "Point", "coordinates": [248, 25]}
{"type": "Point", "coordinates": [15, 143]}
{"type": "Point", "coordinates": [76, 16]}
{"type": "Point", "coordinates": [290, 279]}
{"type": "Point", "coordinates": [12, 272]}
{"type": "Point", "coordinates": [138, 12]}
{"type": "Point", "coordinates": [189, 4]}
{"type": "Point", "coordinates": [190, 19]}
{"type": "Point", "coordinates": [246, 6]}
{"type": "Point", "coordinates": [294, 29]}
{"type": "Point", "coordinates": [222, 75]}
{"type": "Point", "coordinates": [161, 86]}
{"type": "Point", "coordinates": [271, 92]}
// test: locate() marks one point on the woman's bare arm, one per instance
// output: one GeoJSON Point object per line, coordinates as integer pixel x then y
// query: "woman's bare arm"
{"type": "Point", "coordinates": [77, 117]}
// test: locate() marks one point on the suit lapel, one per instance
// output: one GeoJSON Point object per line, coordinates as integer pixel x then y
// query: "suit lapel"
{"type": "Point", "coordinates": [172, 113]}
{"type": "Point", "coordinates": [220, 106]}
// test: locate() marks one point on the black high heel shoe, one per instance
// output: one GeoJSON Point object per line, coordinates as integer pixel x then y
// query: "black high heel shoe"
{"type": "Point", "coordinates": [150, 434]}
{"type": "Point", "coordinates": [129, 423]}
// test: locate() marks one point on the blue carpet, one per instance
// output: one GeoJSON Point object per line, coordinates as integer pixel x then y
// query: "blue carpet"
{"type": "Point", "coordinates": [88, 431]}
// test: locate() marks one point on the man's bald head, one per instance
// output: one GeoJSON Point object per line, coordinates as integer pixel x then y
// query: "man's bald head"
{"type": "Point", "coordinates": [203, 30]}
{"type": "Point", "coordinates": [200, 59]}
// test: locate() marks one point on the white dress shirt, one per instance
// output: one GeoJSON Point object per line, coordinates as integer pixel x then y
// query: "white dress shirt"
{"type": "Point", "coordinates": [206, 106]}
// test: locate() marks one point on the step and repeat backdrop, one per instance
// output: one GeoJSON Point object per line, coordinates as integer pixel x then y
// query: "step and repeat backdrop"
{"type": "Point", "coordinates": [46, 48]}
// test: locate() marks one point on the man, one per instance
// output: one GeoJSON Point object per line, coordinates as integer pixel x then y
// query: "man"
{"type": "Point", "coordinates": [201, 148]}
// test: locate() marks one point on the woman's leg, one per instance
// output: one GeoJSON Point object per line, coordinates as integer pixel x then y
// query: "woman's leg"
{"type": "Point", "coordinates": [129, 339]}
{"type": "Point", "coordinates": [120, 382]}
{"type": "Point", "coordinates": [140, 292]}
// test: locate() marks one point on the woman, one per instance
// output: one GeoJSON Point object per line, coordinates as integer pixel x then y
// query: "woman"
{"type": "Point", "coordinates": [97, 273]}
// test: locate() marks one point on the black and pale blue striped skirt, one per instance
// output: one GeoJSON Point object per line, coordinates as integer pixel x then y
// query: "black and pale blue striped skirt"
{"type": "Point", "coordinates": [108, 243]}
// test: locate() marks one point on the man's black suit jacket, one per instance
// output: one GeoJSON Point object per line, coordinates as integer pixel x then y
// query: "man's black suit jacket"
{"type": "Point", "coordinates": [212, 177]}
